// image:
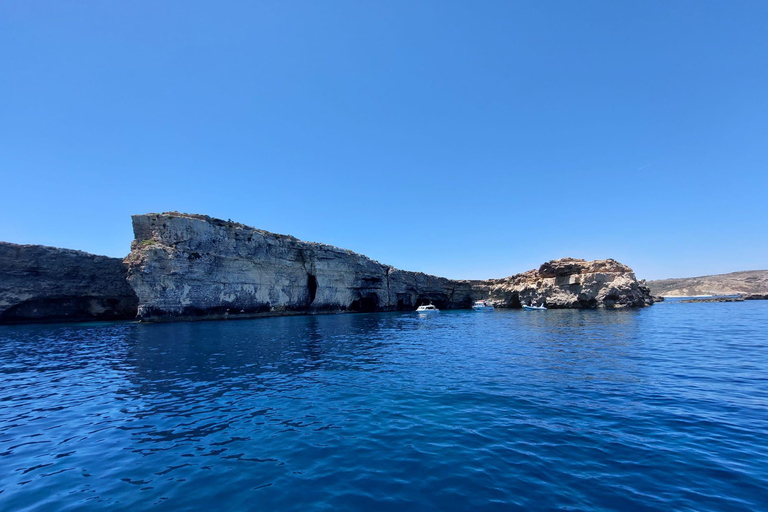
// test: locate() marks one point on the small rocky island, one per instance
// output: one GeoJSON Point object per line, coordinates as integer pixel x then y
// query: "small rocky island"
{"type": "Point", "coordinates": [187, 266]}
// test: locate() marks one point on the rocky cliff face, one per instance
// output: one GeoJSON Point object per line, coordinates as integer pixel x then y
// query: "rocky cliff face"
{"type": "Point", "coordinates": [192, 266]}
{"type": "Point", "coordinates": [753, 283]}
{"type": "Point", "coordinates": [40, 283]}
{"type": "Point", "coordinates": [572, 283]}
{"type": "Point", "coordinates": [186, 266]}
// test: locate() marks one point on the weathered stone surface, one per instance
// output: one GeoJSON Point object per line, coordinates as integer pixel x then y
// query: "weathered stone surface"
{"type": "Point", "coordinates": [572, 283]}
{"type": "Point", "coordinates": [39, 284]}
{"type": "Point", "coordinates": [186, 266]}
{"type": "Point", "coordinates": [411, 289]}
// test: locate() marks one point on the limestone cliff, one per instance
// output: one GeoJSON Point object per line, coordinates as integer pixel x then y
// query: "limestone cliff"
{"type": "Point", "coordinates": [40, 283]}
{"type": "Point", "coordinates": [194, 266]}
{"type": "Point", "coordinates": [572, 283]}
{"type": "Point", "coordinates": [186, 266]}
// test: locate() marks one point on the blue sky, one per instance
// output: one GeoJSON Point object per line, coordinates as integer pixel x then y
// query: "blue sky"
{"type": "Point", "coordinates": [464, 139]}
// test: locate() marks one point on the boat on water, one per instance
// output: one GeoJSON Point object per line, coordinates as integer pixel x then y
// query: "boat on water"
{"type": "Point", "coordinates": [428, 308]}
{"type": "Point", "coordinates": [534, 308]}
{"type": "Point", "coordinates": [481, 305]}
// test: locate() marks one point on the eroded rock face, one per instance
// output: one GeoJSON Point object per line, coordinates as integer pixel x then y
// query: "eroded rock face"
{"type": "Point", "coordinates": [185, 266]}
{"type": "Point", "coordinates": [46, 284]}
{"type": "Point", "coordinates": [572, 283]}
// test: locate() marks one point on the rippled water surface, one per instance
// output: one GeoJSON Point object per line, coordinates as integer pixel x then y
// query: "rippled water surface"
{"type": "Point", "coordinates": [664, 408]}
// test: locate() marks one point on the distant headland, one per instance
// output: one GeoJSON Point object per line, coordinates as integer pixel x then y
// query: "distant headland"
{"type": "Point", "coordinates": [751, 284]}
{"type": "Point", "coordinates": [187, 266]}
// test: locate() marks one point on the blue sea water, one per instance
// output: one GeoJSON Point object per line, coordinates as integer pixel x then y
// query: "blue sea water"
{"type": "Point", "coordinates": [664, 408]}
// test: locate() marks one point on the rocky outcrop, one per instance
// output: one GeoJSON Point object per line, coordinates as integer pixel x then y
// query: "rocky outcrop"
{"type": "Point", "coordinates": [712, 299]}
{"type": "Point", "coordinates": [39, 284]}
{"type": "Point", "coordinates": [185, 266]}
{"type": "Point", "coordinates": [191, 266]}
{"type": "Point", "coordinates": [572, 283]}
{"type": "Point", "coordinates": [748, 282]}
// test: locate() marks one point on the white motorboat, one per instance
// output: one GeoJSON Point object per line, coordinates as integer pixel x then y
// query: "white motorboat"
{"type": "Point", "coordinates": [428, 308]}
{"type": "Point", "coordinates": [481, 305]}
{"type": "Point", "coordinates": [534, 308]}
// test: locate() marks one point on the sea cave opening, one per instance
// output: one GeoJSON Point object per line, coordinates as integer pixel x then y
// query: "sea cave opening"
{"type": "Point", "coordinates": [312, 287]}
{"type": "Point", "coordinates": [365, 304]}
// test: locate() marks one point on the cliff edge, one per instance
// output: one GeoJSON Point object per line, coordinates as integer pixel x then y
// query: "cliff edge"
{"type": "Point", "coordinates": [39, 283]}
{"type": "Point", "coordinates": [191, 266]}
{"type": "Point", "coordinates": [186, 266]}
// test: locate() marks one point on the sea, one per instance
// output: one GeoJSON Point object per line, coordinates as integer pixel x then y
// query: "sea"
{"type": "Point", "coordinates": [661, 408]}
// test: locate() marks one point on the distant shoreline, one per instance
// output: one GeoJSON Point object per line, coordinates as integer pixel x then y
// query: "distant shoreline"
{"type": "Point", "coordinates": [747, 283]}
{"type": "Point", "coordinates": [733, 297]}
{"type": "Point", "coordinates": [709, 296]}
{"type": "Point", "coordinates": [686, 296]}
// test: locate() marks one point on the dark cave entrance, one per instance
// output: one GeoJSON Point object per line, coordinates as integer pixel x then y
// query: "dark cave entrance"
{"type": "Point", "coordinates": [438, 302]}
{"type": "Point", "coordinates": [365, 304]}
{"type": "Point", "coordinates": [312, 287]}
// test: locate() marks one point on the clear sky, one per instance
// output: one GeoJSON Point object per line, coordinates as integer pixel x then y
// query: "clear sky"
{"type": "Point", "coordinates": [464, 139]}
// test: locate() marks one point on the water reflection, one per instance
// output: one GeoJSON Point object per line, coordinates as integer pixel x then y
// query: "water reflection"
{"type": "Point", "coordinates": [288, 413]}
{"type": "Point", "coordinates": [588, 345]}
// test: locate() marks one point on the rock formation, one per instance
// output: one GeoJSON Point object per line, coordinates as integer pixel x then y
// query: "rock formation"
{"type": "Point", "coordinates": [750, 282]}
{"type": "Point", "coordinates": [572, 283]}
{"type": "Point", "coordinates": [187, 266]}
{"type": "Point", "coordinates": [40, 283]}
{"type": "Point", "coordinates": [738, 298]}
{"type": "Point", "coordinates": [184, 266]}
{"type": "Point", "coordinates": [194, 266]}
